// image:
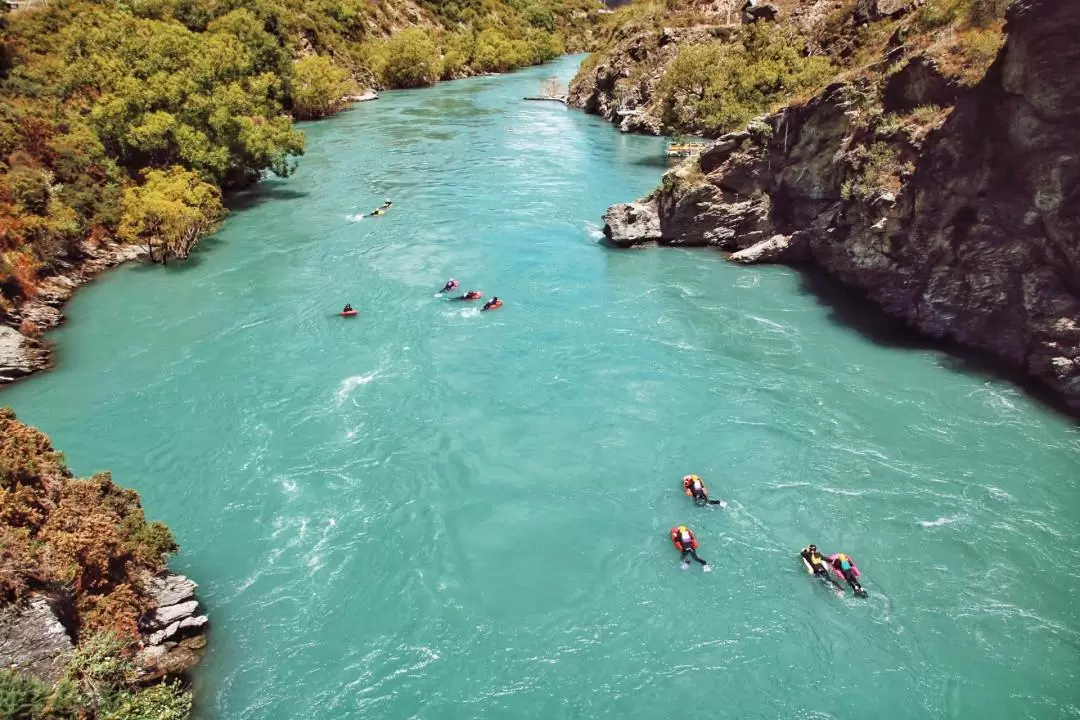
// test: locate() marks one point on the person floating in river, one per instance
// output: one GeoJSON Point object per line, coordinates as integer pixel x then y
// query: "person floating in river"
{"type": "Point", "coordinates": [685, 542]}
{"type": "Point", "coordinates": [493, 304]}
{"type": "Point", "coordinates": [471, 295]}
{"type": "Point", "coordinates": [451, 284]}
{"type": "Point", "coordinates": [694, 486]}
{"type": "Point", "coordinates": [816, 565]}
{"type": "Point", "coordinates": [844, 566]}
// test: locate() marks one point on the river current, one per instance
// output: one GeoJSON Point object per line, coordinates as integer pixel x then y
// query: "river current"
{"type": "Point", "coordinates": [430, 512]}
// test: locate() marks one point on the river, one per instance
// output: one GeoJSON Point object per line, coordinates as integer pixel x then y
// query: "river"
{"type": "Point", "coordinates": [430, 512]}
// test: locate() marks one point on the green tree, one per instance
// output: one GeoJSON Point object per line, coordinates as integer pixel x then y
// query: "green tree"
{"type": "Point", "coordinates": [319, 87]}
{"type": "Point", "coordinates": [410, 59]}
{"type": "Point", "coordinates": [170, 212]}
{"type": "Point", "coordinates": [715, 87]}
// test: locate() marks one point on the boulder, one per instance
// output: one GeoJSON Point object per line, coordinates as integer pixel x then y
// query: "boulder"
{"type": "Point", "coordinates": [169, 589]}
{"type": "Point", "coordinates": [776, 249]}
{"type": "Point", "coordinates": [919, 82]}
{"type": "Point", "coordinates": [20, 355]}
{"type": "Point", "coordinates": [171, 658]}
{"type": "Point", "coordinates": [867, 11]}
{"type": "Point", "coordinates": [33, 640]}
{"type": "Point", "coordinates": [156, 638]}
{"type": "Point", "coordinates": [165, 616]}
{"type": "Point", "coordinates": [755, 10]}
{"type": "Point", "coordinates": [366, 96]}
{"type": "Point", "coordinates": [632, 223]}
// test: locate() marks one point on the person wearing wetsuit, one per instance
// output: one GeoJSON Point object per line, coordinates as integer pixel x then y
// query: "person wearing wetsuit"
{"type": "Point", "coordinates": [493, 304]}
{"type": "Point", "coordinates": [846, 567]}
{"type": "Point", "coordinates": [471, 295]}
{"type": "Point", "coordinates": [817, 563]}
{"type": "Point", "coordinates": [451, 284]}
{"type": "Point", "coordinates": [348, 308]}
{"type": "Point", "coordinates": [694, 487]}
{"type": "Point", "coordinates": [685, 542]}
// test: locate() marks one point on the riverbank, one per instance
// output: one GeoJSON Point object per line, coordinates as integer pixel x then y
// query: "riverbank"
{"type": "Point", "coordinates": [335, 483]}
{"type": "Point", "coordinates": [83, 587]}
{"type": "Point", "coordinates": [24, 349]}
{"type": "Point", "coordinates": [934, 191]}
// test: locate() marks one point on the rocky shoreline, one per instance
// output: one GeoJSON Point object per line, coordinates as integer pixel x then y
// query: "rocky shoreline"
{"type": "Point", "coordinates": [22, 350]}
{"type": "Point", "coordinates": [967, 228]}
{"type": "Point", "coordinates": [36, 640]}
{"type": "Point", "coordinates": [173, 632]}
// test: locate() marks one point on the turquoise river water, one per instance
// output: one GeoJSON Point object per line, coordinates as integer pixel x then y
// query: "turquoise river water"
{"type": "Point", "coordinates": [429, 512]}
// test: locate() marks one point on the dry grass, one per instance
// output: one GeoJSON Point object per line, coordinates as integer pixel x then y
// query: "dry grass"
{"type": "Point", "coordinates": [967, 54]}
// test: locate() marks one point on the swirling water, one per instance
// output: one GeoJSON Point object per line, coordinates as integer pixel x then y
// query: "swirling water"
{"type": "Point", "coordinates": [428, 512]}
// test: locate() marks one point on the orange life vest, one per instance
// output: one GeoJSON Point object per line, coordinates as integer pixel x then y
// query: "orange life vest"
{"type": "Point", "coordinates": [683, 538]}
{"type": "Point", "coordinates": [690, 482]}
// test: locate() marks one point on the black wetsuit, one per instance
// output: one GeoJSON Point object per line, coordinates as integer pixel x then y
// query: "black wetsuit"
{"type": "Point", "coordinates": [849, 575]}
{"type": "Point", "coordinates": [819, 568]}
{"type": "Point", "coordinates": [688, 549]}
{"type": "Point", "coordinates": [692, 553]}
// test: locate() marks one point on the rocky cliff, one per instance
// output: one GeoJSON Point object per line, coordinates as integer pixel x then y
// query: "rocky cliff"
{"type": "Point", "coordinates": [83, 581]}
{"type": "Point", "coordinates": [952, 208]}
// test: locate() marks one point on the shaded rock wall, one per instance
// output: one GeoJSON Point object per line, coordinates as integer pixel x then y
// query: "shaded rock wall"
{"type": "Point", "coordinates": [970, 234]}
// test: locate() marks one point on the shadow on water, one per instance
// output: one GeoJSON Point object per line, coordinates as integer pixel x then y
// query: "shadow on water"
{"type": "Point", "coordinates": [261, 193]}
{"type": "Point", "coordinates": [848, 309]}
{"type": "Point", "coordinates": [654, 161]}
{"type": "Point", "coordinates": [196, 258]}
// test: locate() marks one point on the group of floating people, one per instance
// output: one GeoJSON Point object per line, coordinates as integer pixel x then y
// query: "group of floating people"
{"type": "Point", "coordinates": [493, 304]}
{"type": "Point", "coordinates": [816, 563]}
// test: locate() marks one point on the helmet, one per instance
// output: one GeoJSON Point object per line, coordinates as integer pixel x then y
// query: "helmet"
{"type": "Point", "coordinates": [812, 548]}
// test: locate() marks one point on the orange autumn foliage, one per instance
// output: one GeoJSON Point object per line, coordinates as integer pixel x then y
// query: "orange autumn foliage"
{"type": "Point", "coordinates": [85, 538]}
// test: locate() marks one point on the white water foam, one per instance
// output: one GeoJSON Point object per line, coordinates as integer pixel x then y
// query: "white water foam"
{"type": "Point", "coordinates": [940, 521]}
{"type": "Point", "coordinates": [351, 383]}
{"type": "Point", "coordinates": [748, 281]}
{"type": "Point", "coordinates": [355, 218]}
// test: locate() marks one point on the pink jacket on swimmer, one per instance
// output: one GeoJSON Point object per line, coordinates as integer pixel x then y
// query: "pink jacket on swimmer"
{"type": "Point", "coordinates": [841, 563]}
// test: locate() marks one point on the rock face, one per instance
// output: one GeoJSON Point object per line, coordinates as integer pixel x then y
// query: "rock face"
{"type": "Point", "coordinates": [970, 234]}
{"type": "Point", "coordinates": [20, 354]}
{"type": "Point", "coordinates": [172, 631]}
{"type": "Point", "coordinates": [622, 87]}
{"type": "Point", "coordinates": [632, 224]}
{"type": "Point", "coordinates": [33, 641]}
{"type": "Point", "coordinates": [755, 10]}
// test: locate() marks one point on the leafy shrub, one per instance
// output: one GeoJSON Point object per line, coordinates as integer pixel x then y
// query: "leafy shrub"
{"type": "Point", "coordinates": [88, 535]}
{"type": "Point", "coordinates": [158, 702]}
{"type": "Point", "coordinates": [27, 698]}
{"type": "Point", "coordinates": [714, 87]}
{"type": "Point", "coordinates": [29, 189]}
{"type": "Point", "coordinates": [410, 59]}
{"type": "Point", "coordinates": [170, 212]}
{"type": "Point", "coordinates": [318, 87]}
